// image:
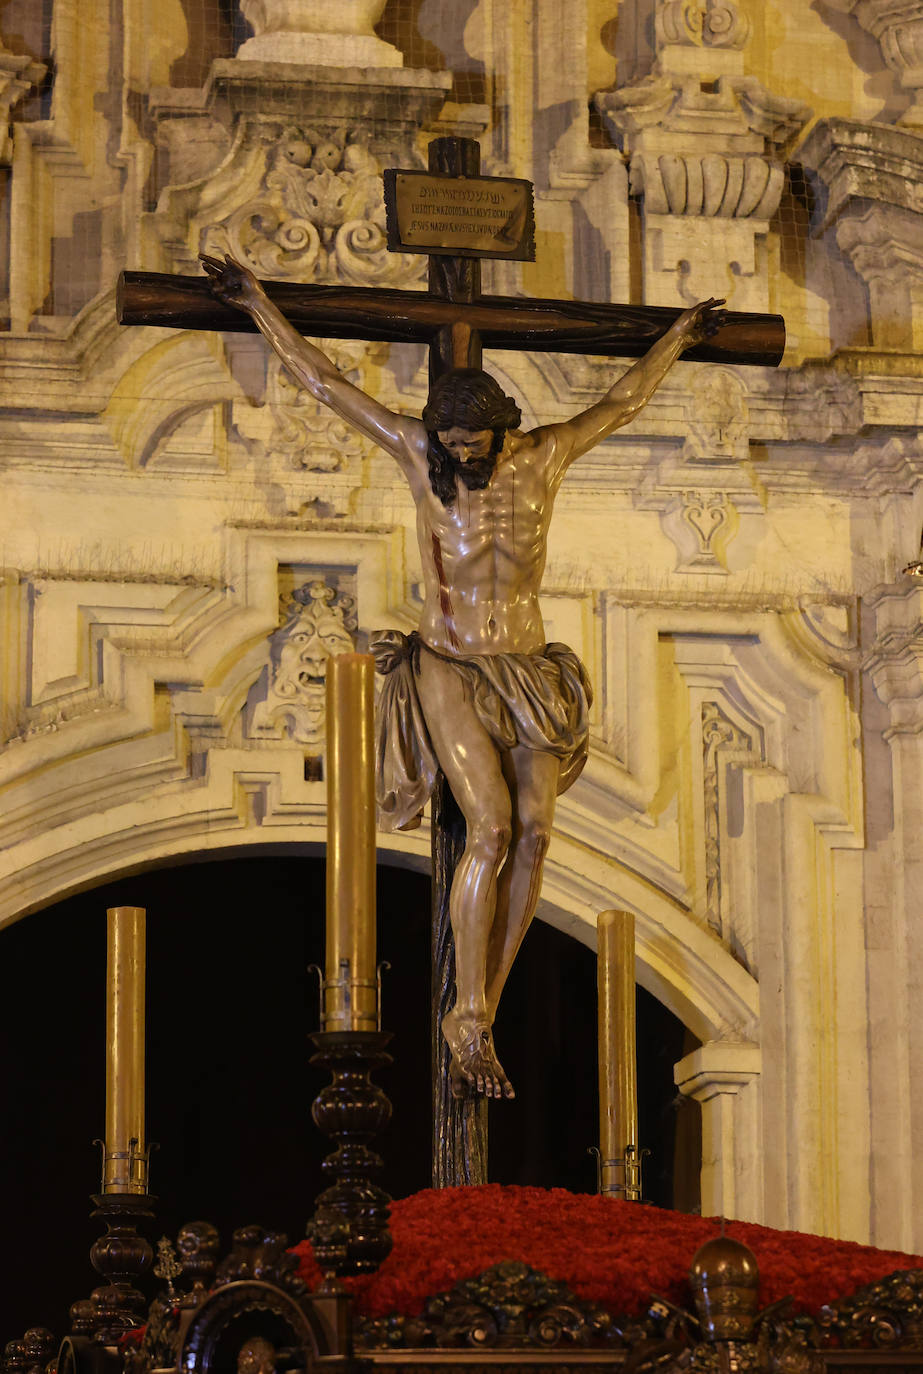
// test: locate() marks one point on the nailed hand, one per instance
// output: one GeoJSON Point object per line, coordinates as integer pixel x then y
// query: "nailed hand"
{"type": "Point", "coordinates": [230, 281]}
{"type": "Point", "coordinates": [702, 321]}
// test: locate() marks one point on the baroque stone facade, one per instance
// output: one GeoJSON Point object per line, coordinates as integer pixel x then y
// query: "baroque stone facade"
{"type": "Point", "coordinates": [729, 565]}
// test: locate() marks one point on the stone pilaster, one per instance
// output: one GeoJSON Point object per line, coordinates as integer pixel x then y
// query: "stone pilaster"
{"type": "Point", "coordinates": [894, 664]}
{"type": "Point", "coordinates": [723, 1076]}
{"type": "Point", "coordinates": [871, 175]}
{"type": "Point", "coordinates": [706, 143]}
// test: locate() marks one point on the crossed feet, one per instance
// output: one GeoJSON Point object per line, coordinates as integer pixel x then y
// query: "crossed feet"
{"type": "Point", "coordinates": [474, 1066]}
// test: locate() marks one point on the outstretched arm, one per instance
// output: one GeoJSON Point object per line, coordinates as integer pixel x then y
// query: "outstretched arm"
{"type": "Point", "coordinates": [635, 388]}
{"type": "Point", "coordinates": [399, 435]}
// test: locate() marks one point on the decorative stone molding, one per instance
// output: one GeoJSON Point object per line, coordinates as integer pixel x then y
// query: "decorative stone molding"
{"type": "Point", "coordinates": [701, 23]}
{"type": "Point", "coordinates": [316, 215]}
{"type": "Point", "coordinates": [723, 743]}
{"type": "Point", "coordinates": [864, 162]}
{"type": "Point", "coordinates": [304, 455]}
{"type": "Point", "coordinates": [299, 194]}
{"type": "Point", "coordinates": [293, 203]}
{"type": "Point", "coordinates": [898, 27]}
{"type": "Point", "coordinates": [721, 1066]}
{"type": "Point", "coordinates": [703, 493]}
{"type": "Point", "coordinates": [895, 659]}
{"type": "Point", "coordinates": [717, 1076]}
{"type": "Point", "coordinates": [885, 247]}
{"type": "Point", "coordinates": [872, 177]}
{"type": "Point", "coordinates": [719, 419]}
{"type": "Point", "coordinates": [705, 144]}
{"type": "Point", "coordinates": [334, 33]}
{"type": "Point", "coordinates": [700, 521]}
{"type": "Point", "coordinates": [289, 701]}
{"type": "Point", "coordinates": [18, 75]}
{"type": "Point", "coordinates": [706, 513]}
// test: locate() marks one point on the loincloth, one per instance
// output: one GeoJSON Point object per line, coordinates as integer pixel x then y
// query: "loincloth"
{"type": "Point", "coordinates": [540, 701]}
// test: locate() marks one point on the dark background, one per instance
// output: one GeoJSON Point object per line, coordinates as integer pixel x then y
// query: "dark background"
{"type": "Point", "coordinates": [230, 1004]}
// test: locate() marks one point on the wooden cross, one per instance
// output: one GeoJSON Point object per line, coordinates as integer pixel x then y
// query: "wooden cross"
{"type": "Point", "coordinates": [457, 323]}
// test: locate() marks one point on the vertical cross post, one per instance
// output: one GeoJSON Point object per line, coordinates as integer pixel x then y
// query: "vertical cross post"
{"type": "Point", "coordinates": [459, 1126]}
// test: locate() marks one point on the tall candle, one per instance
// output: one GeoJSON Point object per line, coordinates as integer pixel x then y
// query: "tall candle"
{"type": "Point", "coordinates": [125, 1170]}
{"type": "Point", "coordinates": [351, 998]}
{"type": "Point", "coordinates": [618, 1072]}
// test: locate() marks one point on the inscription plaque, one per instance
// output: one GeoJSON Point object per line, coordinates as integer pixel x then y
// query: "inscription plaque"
{"type": "Point", "coordinates": [476, 217]}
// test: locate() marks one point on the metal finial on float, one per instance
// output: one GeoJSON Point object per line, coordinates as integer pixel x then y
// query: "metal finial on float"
{"type": "Point", "coordinates": [725, 1281]}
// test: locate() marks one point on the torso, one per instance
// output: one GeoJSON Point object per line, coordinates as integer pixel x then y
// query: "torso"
{"type": "Point", "coordinates": [484, 555]}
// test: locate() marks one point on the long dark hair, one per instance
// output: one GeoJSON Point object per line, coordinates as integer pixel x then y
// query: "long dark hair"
{"type": "Point", "coordinates": [466, 398]}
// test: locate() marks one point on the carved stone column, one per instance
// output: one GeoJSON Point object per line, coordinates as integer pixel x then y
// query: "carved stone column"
{"type": "Point", "coordinates": [706, 144]}
{"type": "Point", "coordinates": [871, 175]}
{"type": "Point", "coordinates": [723, 1075]}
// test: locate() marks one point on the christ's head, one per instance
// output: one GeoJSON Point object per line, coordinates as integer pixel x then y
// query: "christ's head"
{"type": "Point", "coordinates": [466, 417]}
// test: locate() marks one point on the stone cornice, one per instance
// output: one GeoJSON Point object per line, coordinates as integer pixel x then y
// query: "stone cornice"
{"type": "Point", "coordinates": [872, 162]}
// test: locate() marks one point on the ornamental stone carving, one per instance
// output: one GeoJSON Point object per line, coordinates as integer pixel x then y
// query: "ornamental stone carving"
{"type": "Point", "coordinates": [705, 514]}
{"type": "Point", "coordinates": [282, 166]}
{"type": "Point", "coordinates": [316, 215]}
{"type": "Point", "coordinates": [895, 660]}
{"type": "Point", "coordinates": [702, 23]}
{"type": "Point", "coordinates": [871, 186]}
{"type": "Point", "coordinates": [302, 454]}
{"type": "Point", "coordinates": [718, 420]}
{"type": "Point", "coordinates": [293, 202]}
{"type": "Point", "coordinates": [724, 745]}
{"type": "Point", "coordinates": [18, 75]}
{"type": "Point", "coordinates": [291, 700]}
{"type": "Point", "coordinates": [706, 145]}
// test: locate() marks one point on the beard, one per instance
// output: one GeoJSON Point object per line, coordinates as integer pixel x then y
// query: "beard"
{"type": "Point", "coordinates": [476, 473]}
{"type": "Point", "coordinates": [444, 469]}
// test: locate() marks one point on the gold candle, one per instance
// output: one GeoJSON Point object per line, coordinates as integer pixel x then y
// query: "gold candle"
{"type": "Point", "coordinates": [351, 997]}
{"type": "Point", "coordinates": [125, 1169]}
{"type": "Point", "coordinates": [618, 1072]}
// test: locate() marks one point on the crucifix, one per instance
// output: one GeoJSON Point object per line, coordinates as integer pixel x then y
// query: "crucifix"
{"type": "Point", "coordinates": [479, 712]}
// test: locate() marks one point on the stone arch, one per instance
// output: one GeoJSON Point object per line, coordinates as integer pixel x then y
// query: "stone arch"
{"type": "Point", "coordinates": [248, 806]}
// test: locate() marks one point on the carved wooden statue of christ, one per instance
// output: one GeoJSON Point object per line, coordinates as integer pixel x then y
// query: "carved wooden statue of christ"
{"type": "Point", "coordinates": [477, 691]}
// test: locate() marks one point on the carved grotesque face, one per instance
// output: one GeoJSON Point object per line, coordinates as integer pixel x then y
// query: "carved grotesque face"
{"type": "Point", "coordinates": [466, 445]}
{"type": "Point", "coordinates": [321, 637]}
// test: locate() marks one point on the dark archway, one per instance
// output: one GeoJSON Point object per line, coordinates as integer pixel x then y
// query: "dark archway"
{"type": "Point", "coordinates": [229, 1087]}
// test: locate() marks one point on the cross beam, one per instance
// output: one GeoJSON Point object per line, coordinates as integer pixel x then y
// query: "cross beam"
{"type": "Point", "coordinates": [503, 322]}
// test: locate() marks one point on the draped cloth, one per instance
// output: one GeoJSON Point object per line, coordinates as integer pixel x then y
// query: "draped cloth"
{"type": "Point", "coordinates": [540, 701]}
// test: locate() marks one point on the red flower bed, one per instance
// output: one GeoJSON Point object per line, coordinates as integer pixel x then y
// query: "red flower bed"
{"type": "Point", "coordinates": [613, 1253]}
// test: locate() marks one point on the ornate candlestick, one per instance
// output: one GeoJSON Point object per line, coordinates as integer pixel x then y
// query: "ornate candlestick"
{"type": "Point", "coordinates": [349, 1231]}
{"type": "Point", "coordinates": [125, 1158]}
{"type": "Point", "coordinates": [121, 1256]}
{"type": "Point", "coordinates": [349, 995]}
{"type": "Point", "coordinates": [619, 1159]}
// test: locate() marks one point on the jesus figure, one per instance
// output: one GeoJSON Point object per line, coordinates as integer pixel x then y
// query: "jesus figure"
{"type": "Point", "coordinates": [477, 691]}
